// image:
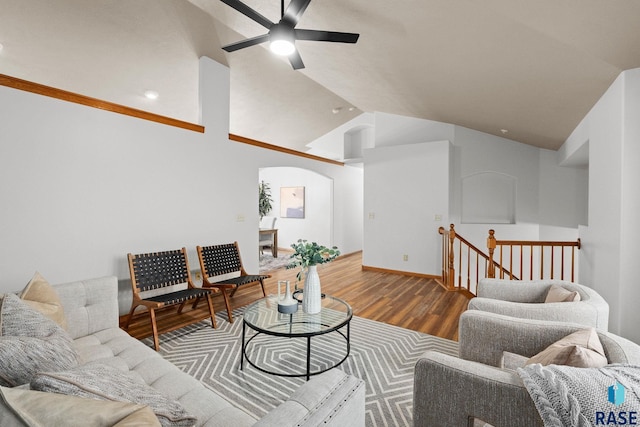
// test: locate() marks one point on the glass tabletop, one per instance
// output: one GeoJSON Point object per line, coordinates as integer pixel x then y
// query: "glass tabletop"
{"type": "Point", "coordinates": [263, 316]}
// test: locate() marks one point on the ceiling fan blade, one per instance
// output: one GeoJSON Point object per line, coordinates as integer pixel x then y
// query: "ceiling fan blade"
{"type": "Point", "coordinates": [326, 36]}
{"type": "Point", "coordinates": [246, 43]}
{"type": "Point", "coordinates": [296, 60]}
{"type": "Point", "coordinates": [247, 11]}
{"type": "Point", "coordinates": [294, 11]}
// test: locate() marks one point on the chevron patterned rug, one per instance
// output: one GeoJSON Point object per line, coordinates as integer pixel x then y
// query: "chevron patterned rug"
{"type": "Point", "coordinates": [382, 355]}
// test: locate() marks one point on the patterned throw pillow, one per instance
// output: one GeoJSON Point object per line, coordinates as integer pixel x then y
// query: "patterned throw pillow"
{"type": "Point", "coordinates": [98, 381]}
{"type": "Point", "coordinates": [30, 342]}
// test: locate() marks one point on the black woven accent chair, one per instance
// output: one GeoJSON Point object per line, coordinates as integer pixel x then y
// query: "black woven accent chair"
{"type": "Point", "coordinates": [160, 272]}
{"type": "Point", "coordinates": [222, 269]}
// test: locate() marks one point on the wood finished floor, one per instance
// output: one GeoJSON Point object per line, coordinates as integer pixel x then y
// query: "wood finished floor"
{"type": "Point", "coordinates": [410, 302]}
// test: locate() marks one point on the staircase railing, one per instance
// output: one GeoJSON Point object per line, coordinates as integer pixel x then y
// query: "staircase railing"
{"type": "Point", "coordinates": [554, 259]}
{"type": "Point", "coordinates": [470, 258]}
{"type": "Point", "coordinates": [551, 259]}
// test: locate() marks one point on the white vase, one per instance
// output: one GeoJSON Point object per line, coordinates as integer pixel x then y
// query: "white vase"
{"type": "Point", "coordinates": [286, 303]}
{"type": "Point", "coordinates": [312, 296]}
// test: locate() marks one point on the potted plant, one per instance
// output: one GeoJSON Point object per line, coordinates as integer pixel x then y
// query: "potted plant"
{"type": "Point", "coordinates": [308, 256]}
{"type": "Point", "coordinates": [264, 199]}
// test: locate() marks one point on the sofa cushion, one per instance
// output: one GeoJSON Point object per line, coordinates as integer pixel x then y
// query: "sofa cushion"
{"type": "Point", "coordinates": [116, 348]}
{"type": "Point", "coordinates": [30, 342]}
{"type": "Point", "coordinates": [40, 295]}
{"type": "Point", "coordinates": [100, 381]}
{"type": "Point", "coordinates": [23, 407]}
{"type": "Point", "coordinates": [581, 349]}
{"type": "Point", "coordinates": [559, 294]}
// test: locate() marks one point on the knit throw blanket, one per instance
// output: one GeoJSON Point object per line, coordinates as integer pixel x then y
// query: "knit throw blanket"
{"type": "Point", "coordinates": [574, 397]}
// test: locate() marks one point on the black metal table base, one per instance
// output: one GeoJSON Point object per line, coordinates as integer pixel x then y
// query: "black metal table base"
{"type": "Point", "coordinates": [308, 373]}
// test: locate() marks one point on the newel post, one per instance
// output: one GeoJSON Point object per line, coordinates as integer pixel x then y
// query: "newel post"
{"type": "Point", "coordinates": [451, 283]}
{"type": "Point", "coordinates": [491, 245]}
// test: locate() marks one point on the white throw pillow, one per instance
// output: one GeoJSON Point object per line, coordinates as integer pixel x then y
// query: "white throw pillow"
{"type": "Point", "coordinates": [559, 294]}
{"type": "Point", "coordinates": [581, 349]}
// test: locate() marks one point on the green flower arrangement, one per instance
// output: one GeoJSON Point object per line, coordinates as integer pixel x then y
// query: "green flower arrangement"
{"type": "Point", "coordinates": [306, 254]}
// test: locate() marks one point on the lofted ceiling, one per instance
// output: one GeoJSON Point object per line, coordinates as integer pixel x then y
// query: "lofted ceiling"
{"type": "Point", "coordinates": [532, 68]}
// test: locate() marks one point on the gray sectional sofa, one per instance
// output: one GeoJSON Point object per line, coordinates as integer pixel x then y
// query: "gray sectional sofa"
{"type": "Point", "coordinates": [91, 310]}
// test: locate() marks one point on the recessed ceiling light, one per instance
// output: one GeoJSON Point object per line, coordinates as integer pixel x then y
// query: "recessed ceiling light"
{"type": "Point", "coordinates": [504, 131]}
{"type": "Point", "coordinates": [352, 108]}
{"type": "Point", "coordinates": [336, 110]}
{"type": "Point", "coordinates": [151, 94]}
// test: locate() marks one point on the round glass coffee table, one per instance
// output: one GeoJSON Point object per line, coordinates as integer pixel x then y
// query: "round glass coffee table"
{"type": "Point", "coordinates": [263, 317]}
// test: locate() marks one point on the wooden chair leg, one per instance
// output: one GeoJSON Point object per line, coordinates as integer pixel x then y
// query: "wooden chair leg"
{"type": "Point", "coordinates": [128, 322]}
{"type": "Point", "coordinates": [181, 307]}
{"type": "Point", "coordinates": [154, 328]}
{"type": "Point", "coordinates": [262, 286]}
{"type": "Point", "coordinates": [195, 303]}
{"type": "Point", "coordinates": [233, 292]}
{"type": "Point", "coordinates": [214, 323]}
{"type": "Point", "coordinates": [227, 303]}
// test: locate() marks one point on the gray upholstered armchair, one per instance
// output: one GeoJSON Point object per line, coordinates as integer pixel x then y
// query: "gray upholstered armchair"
{"type": "Point", "coordinates": [452, 391]}
{"type": "Point", "coordinates": [525, 299]}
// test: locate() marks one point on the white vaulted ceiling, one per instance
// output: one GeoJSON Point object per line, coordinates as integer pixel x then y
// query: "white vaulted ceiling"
{"type": "Point", "coordinates": [532, 67]}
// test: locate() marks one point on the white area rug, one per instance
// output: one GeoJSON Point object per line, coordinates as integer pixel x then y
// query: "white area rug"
{"type": "Point", "coordinates": [382, 355]}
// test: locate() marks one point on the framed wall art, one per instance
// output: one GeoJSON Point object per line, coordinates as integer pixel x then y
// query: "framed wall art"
{"type": "Point", "coordinates": [292, 202]}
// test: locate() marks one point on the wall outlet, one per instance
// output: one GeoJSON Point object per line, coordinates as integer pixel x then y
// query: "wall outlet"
{"type": "Point", "coordinates": [240, 218]}
{"type": "Point", "coordinates": [405, 257]}
{"type": "Point", "coordinates": [438, 217]}
{"type": "Point", "coordinates": [372, 215]}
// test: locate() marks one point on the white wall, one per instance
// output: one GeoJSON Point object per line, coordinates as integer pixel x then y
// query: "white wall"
{"type": "Point", "coordinates": [317, 224]}
{"type": "Point", "coordinates": [601, 239]}
{"type": "Point", "coordinates": [564, 192]}
{"type": "Point", "coordinates": [629, 209]}
{"type": "Point", "coordinates": [331, 145]}
{"type": "Point", "coordinates": [392, 129]}
{"type": "Point", "coordinates": [394, 172]}
{"type": "Point", "coordinates": [82, 187]}
{"type": "Point", "coordinates": [610, 251]}
{"type": "Point", "coordinates": [405, 187]}
{"type": "Point", "coordinates": [477, 152]}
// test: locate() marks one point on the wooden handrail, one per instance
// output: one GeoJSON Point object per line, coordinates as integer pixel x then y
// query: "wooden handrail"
{"type": "Point", "coordinates": [256, 143]}
{"type": "Point", "coordinates": [479, 265]}
{"type": "Point", "coordinates": [52, 92]}
{"type": "Point", "coordinates": [75, 98]}
{"type": "Point", "coordinates": [474, 257]}
{"type": "Point", "coordinates": [520, 246]}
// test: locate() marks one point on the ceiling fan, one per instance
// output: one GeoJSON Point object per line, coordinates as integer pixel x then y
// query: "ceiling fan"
{"type": "Point", "coordinates": [282, 35]}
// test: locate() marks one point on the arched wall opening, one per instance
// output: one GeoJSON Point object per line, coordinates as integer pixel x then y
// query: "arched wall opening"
{"type": "Point", "coordinates": [316, 223]}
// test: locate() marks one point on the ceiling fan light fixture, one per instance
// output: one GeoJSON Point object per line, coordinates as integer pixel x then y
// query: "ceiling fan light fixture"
{"type": "Point", "coordinates": [283, 34]}
{"type": "Point", "coordinates": [281, 40]}
{"type": "Point", "coordinates": [282, 47]}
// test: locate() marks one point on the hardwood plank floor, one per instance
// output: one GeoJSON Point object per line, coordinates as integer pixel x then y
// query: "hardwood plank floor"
{"type": "Point", "coordinates": [410, 302]}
